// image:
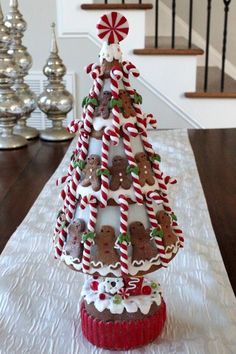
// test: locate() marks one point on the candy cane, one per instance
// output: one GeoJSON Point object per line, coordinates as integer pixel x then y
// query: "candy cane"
{"type": "Point", "coordinates": [178, 232]}
{"type": "Point", "coordinates": [116, 75]}
{"type": "Point", "coordinates": [132, 164]}
{"type": "Point", "coordinates": [142, 123]}
{"type": "Point", "coordinates": [127, 69]}
{"type": "Point", "coordinates": [104, 167]}
{"type": "Point", "coordinates": [60, 239]}
{"type": "Point", "coordinates": [92, 202]}
{"type": "Point", "coordinates": [95, 71]}
{"type": "Point", "coordinates": [155, 226]}
{"type": "Point", "coordinates": [124, 208]}
{"type": "Point", "coordinates": [150, 120]}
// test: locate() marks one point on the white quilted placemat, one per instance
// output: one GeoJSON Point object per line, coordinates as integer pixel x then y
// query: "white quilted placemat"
{"type": "Point", "coordinates": [39, 312]}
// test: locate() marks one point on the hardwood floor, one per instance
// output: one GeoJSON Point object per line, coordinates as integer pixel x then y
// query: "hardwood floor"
{"type": "Point", "coordinates": [23, 174]}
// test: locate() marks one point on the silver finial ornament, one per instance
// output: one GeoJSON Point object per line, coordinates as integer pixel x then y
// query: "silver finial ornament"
{"type": "Point", "coordinates": [56, 102]}
{"type": "Point", "coordinates": [11, 106]}
{"type": "Point", "coordinates": [16, 24]}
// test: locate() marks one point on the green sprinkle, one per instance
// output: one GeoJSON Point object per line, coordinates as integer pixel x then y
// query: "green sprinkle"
{"type": "Point", "coordinates": [117, 299]}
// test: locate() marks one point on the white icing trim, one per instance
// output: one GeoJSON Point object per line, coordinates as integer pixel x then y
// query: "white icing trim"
{"type": "Point", "coordinates": [134, 267]}
{"type": "Point", "coordinates": [109, 52]}
{"type": "Point", "coordinates": [131, 305]}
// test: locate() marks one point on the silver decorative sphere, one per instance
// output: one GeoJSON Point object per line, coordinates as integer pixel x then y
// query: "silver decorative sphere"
{"type": "Point", "coordinates": [16, 25]}
{"type": "Point", "coordinates": [21, 57]}
{"type": "Point", "coordinates": [11, 106]}
{"type": "Point", "coordinates": [14, 20]}
{"type": "Point", "coordinates": [55, 101]}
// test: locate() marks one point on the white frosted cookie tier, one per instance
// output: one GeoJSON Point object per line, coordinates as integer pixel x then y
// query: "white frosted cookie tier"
{"type": "Point", "coordinates": [134, 268]}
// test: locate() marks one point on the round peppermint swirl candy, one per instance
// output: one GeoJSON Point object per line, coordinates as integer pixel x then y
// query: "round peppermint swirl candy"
{"type": "Point", "coordinates": [113, 27]}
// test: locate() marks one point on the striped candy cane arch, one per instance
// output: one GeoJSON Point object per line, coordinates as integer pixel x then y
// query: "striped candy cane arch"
{"type": "Point", "coordinates": [88, 238]}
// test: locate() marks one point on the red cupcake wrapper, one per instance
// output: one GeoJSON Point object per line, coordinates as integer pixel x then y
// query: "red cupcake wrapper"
{"type": "Point", "coordinates": [122, 335]}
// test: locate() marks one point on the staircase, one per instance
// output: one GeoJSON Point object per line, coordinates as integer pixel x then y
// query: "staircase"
{"type": "Point", "coordinates": [202, 95]}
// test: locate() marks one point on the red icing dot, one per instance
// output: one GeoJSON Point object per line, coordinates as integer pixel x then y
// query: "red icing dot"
{"type": "Point", "coordinates": [102, 296]}
{"type": "Point", "coordinates": [146, 290]}
{"type": "Point", "coordinates": [94, 285]}
{"type": "Point", "coordinates": [95, 276]}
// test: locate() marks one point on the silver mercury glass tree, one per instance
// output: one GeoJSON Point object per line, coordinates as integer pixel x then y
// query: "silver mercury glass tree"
{"type": "Point", "coordinates": [16, 24]}
{"type": "Point", "coordinates": [56, 102]}
{"type": "Point", "coordinates": [11, 106]}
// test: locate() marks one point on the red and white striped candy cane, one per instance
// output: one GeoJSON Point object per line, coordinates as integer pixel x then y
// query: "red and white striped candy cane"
{"type": "Point", "coordinates": [132, 163]}
{"type": "Point", "coordinates": [131, 129]}
{"type": "Point", "coordinates": [104, 167]}
{"type": "Point", "coordinates": [95, 71]}
{"type": "Point", "coordinates": [60, 239]}
{"type": "Point", "coordinates": [128, 68]}
{"type": "Point", "coordinates": [178, 232]}
{"type": "Point", "coordinates": [155, 225]}
{"type": "Point", "coordinates": [116, 75]}
{"type": "Point", "coordinates": [170, 180]}
{"type": "Point", "coordinates": [150, 120]}
{"type": "Point", "coordinates": [92, 202]}
{"type": "Point", "coordinates": [153, 195]}
{"type": "Point", "coordinates": [97, 76]}
{"type": "Point", "coordinates": [163, 199]}
{"type": "Point", "coordinates": [141, 122]}
{"type": "Point", "coordinates": [124, 209]}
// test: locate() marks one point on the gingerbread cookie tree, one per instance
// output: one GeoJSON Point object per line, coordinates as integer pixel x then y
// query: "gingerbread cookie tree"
{"type": "Point", "coordinates": [116, 223]}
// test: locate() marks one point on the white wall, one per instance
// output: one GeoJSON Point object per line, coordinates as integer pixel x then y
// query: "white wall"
{"type": "Point", "coordinates": [76, 54]}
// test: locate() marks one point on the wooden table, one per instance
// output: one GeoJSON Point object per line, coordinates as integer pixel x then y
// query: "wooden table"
{"type": "Point", "coordinates": [24, 172]}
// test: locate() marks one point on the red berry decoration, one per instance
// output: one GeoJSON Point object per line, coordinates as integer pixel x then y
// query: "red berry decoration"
{"type": "Point", "coordinates": [102, 296]}
{"type": "Point", "coordinates": [146, 290]}
{"type": "Point", "coordinates": [94, 285]}
{"type": "Point", "coordinates": [113, 27]}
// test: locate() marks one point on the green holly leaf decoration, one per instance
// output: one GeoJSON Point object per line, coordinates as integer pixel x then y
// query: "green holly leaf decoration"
{"type": "Point", "coordinates": [174, 217]}
{"type": "Point", "coordinates": [84, 102]}
{"type": "Point", "coordinates": [138, 98]}
{"type": "Point", "coordinates": [93, 101]}
{"type": "Point", "coordinates": [103, 172]}
{"type": "Point", "coordinates": [116, 102]}
{"type": "Point", "coordinates": [79, 163]}
{"type": "Point", "coordinates": [89, 100]}
{"type": "Point", "coordinates": [132, 169]}
{"type": "Point", "coordinates": [88, 236]}
{"type": "Point", "coordinates": [155, 157]}
{"type": "Point", "coordinates": [157, 233]}
{"type": "Point", "coordinates": [124, 238]}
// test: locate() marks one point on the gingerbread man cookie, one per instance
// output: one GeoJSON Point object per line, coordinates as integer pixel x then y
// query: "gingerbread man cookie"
{"type": "Point", "coordinates": [127, 107]}
{"type": "Point", "coordinates": [90, 171]}
{"type": "Point", "coordinates": [103, 109]}
{"type": "Point", "coordinates": [143, 247]}
{"type": "Point", "coordinates": [74, 245]}
{"type": "Point", "coordinates": [145, 169]}
{"type": "Point", "coordinates": [108, 65]}
{"type": "Point", "coordinates": [119, 174]}
{"type": "Point", "coordinates": [169, 238]}
{"type": "Point", "coordinates": [103, 249]}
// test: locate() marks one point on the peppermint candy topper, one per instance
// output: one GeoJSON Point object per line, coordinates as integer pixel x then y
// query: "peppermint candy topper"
{"type": "Point", "coordinates": [112, 28]}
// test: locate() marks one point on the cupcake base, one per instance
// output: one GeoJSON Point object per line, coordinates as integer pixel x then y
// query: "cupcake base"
{"type": "Point", "coordinates": [122, 335]}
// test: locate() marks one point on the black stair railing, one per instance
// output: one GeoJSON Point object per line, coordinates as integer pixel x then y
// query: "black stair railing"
{"type": "Point", "coordinates": [209, 4]}
{"type": "Point", "coordinates": [208, 28]}
{"type": "Point", "coordinates": [190, 24]}
{"type": "Point", "coordinates": [224, 46]}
